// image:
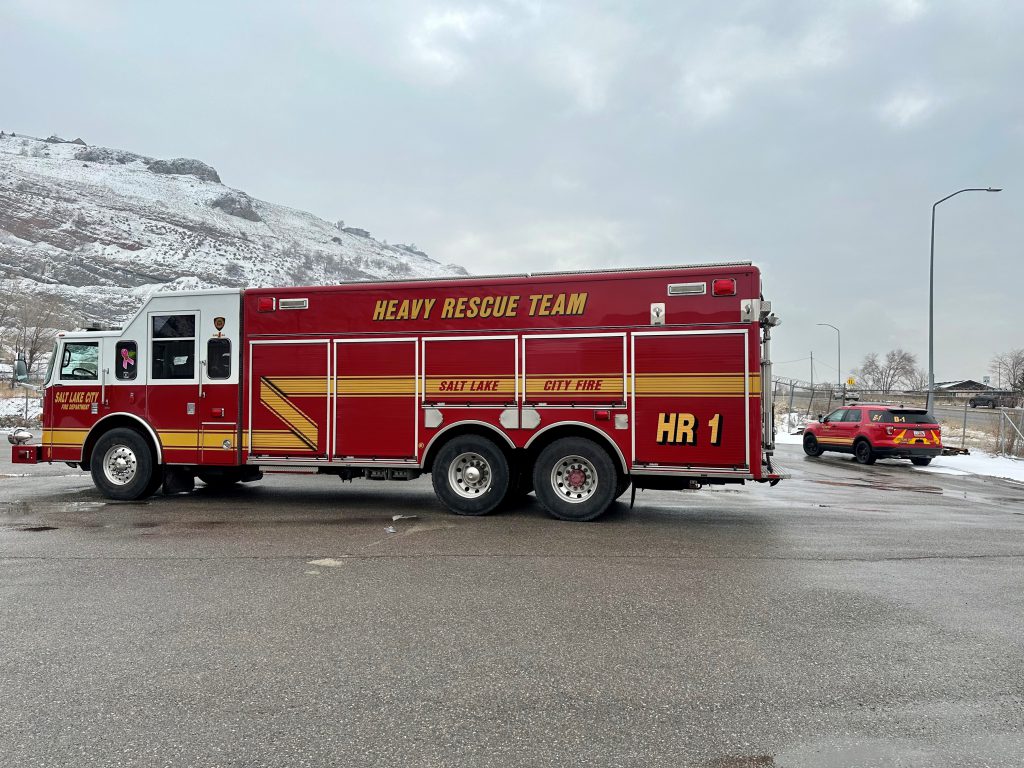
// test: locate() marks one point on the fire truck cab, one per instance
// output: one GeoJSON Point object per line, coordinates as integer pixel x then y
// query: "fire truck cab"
{"type": "Point", "coordinates": [569, 385]}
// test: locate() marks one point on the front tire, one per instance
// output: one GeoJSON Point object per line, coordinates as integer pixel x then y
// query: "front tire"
{"type": "Point", "coordinates": [863, 453]}
{"type": "Point", "coordinates": [575, 479]}
{"type": "Point", "coordinates": [122, 465]}
{"type": "Point", "coordinates": [811, 446]}
{"type": "Point", "coordinates": [470, 475]}
{"type": "Point", "coordinates": [920, 461]}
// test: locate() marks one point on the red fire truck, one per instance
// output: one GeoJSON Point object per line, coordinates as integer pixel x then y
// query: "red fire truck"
{"type": "Point", "coordinates": [572, 385]}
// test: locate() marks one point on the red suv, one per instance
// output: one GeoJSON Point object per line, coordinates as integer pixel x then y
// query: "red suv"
{"type": "Point", "coordinates": [872, 432]}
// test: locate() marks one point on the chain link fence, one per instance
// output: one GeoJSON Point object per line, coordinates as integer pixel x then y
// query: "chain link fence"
{"type": "Point", "coordinates": [985, 420]}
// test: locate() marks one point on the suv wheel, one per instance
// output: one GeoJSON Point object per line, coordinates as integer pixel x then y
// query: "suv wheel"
{"type": "Point", "coordinates": [811, 446]}
{"type": "Point", "coordinates": [920, 461]}
{"type": "Point", "coordinates": [973, 403]}
{"type": "Point", "coordinates": [863, 453]}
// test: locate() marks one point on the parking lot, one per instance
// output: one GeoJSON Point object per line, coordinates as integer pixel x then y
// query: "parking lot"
{"type": "Point", "coordinates": [851, 616]}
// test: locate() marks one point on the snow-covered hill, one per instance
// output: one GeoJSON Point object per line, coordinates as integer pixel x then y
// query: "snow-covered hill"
{"type": "Point", "coordinates": [101, 228]}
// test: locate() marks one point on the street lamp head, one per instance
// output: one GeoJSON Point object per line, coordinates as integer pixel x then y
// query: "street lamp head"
{"type": "Point", "coordinates": [994, 189]}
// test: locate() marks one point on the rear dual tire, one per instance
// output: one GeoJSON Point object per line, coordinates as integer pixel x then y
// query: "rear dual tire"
{"type": "Point", "coordinates": [575, 479]}
{"type": "Point", "coordinates": [471, 475]}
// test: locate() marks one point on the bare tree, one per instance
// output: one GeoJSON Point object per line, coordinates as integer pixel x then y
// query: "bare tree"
{"type": "Point", "coordinates": [899, 368]}
{"type": "Point", "coordinates": [33, 321]}
{"type": "Point", "coordinates": [918, 380]}
{"type": "Point", "coordinates": [870, 373]}
{"type": "Point", "coordinates": [1008, 368]}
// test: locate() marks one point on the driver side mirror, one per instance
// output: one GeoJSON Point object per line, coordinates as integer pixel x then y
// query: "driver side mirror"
{"type": "Point", "coordinates": [822, 419]}
{"type": "Point", "coordinates": [20, 370]}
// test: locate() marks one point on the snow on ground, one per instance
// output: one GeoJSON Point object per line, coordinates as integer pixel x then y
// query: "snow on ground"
{"type": "Point", "coordinates": [14, 407]}
{"type": "Point", "coordinates": [789, 431]}
{"type": "Point", "coordinates": [978, 463]}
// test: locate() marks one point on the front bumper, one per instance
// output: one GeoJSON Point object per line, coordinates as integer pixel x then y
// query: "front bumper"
{"type": "Point", "coordinates": [26, 454]}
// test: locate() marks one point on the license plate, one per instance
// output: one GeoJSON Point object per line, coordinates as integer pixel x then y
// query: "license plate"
{"type": "Point", "coordinates": [919, 433]}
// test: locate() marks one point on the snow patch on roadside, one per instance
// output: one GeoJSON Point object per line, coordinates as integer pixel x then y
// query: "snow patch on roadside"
{"type": "Point", "coordinates": [979, 463]}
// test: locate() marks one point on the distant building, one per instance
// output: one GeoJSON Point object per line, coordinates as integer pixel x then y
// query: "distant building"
{"type": "Point", "coordinates": [962, 389]}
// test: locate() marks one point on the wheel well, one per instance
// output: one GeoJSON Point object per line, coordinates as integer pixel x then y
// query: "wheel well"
{"type": "Point", "coordinates": [114, 422]}
{"type": "Point", "coordinates": [460, 430]}
{"type": "Point", "coordinates": [543, 440]}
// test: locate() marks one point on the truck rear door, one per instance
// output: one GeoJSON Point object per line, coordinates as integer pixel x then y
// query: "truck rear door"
{"type": "Point", "coordinates": [692, 393]}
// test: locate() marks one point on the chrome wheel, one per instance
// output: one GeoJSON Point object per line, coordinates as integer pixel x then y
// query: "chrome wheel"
{"type": "Point", "coordinates": [120, 465]}
{"type": "Point", "coordinates": [574, 479]}
{"type": "Point", "coordinates": [469, 475]}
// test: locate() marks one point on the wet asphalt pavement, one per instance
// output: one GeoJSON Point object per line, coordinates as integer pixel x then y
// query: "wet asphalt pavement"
{"type": "Point", "coordinates": [851, 616]}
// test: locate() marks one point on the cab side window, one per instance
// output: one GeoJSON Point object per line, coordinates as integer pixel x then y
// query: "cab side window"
{"type": "Point", "coordinates": [174, 347]}
{"type": "Point", "coordinates": [126, 359]}
{"type": "Point", "coordinates": [80, 361]}
{"type": "Point", "coordinates": [218, 358]}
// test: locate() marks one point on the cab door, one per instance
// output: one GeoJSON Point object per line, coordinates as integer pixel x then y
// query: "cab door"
{"type": "Point", "coordinates": [172, 397]}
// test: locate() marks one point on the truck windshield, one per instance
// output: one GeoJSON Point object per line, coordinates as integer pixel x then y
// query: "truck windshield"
{"type": "Point", "coordinates": [49, 365]}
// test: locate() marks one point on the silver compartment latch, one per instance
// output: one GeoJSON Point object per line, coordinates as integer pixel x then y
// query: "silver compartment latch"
{"type": "Point", "coordinates": [658, 313]}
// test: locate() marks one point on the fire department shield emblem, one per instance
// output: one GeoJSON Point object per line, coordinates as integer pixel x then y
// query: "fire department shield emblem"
{"type": "Point", "coordinates": [218, 323]}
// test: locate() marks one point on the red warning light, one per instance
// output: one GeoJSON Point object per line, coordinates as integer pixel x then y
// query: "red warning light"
{"type": "Point", "coordinates": [723, 286]}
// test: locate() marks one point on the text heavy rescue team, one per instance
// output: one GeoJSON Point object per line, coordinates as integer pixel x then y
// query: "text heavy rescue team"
{"type": "Point", "coordinates": [467, 307]}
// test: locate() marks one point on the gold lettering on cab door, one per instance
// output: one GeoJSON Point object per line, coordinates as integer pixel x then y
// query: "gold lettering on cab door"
{"type": "Point", "coordinates": [75, 401]}
{"type": "Point", "coordinates": [470, 307]}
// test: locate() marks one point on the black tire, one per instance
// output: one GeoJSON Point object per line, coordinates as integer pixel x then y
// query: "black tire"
{"type": "Point", "coordinates": [575, 479]}
{"type": "Point", "coordinates": [920, 461]}
{"type": "Point", "coordinates": [623, 485]}
{"type": "Point", "coordinates": [811, 446]}
{"type": "Point", "coordinates": [122, 465]}
{"type": "Point", "coordinates": [972, 404]}
{"type": "Point", "coordinates": [470, 475]}
{"type": "Point", "coordinates": [863, 453]}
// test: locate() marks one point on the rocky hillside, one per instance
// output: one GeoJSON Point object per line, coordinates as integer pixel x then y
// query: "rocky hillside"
{"type": "Point", "coordinates": [101, 228]}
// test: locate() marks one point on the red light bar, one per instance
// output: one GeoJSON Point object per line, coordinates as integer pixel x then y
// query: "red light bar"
{"type": "Point", "coordinates": [266, 304]}
{"type": "Point", "coordinates": [723, 286]}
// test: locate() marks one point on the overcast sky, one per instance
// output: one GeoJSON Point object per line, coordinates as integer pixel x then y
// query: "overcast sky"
{"type": "Point", "coordinates": [808, 137]}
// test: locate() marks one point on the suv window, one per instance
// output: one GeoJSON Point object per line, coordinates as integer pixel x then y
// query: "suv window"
{"type": "Point", "coordinates": [852, 415]}
{"type": "Point", "coordinates": [836, 415]}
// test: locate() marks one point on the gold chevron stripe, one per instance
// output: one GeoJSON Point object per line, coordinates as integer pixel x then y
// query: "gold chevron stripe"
{"type": "Point", "coordinates": [297, 422]}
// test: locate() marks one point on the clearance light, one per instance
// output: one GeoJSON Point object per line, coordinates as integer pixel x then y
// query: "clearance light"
{"type": "Point", "coordinates": [723, 286]}
{"type": "Point", "coordinates": [266, 304]}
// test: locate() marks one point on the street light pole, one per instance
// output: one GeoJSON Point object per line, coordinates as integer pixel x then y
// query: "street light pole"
{"type": "Point", "coordinates": [839, 360]}
{"type": "Point", "coordinates": [931, 293]}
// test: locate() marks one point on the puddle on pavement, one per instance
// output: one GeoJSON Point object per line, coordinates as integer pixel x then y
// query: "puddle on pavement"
{"type": "Point", "coordinates": [933, 489]}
